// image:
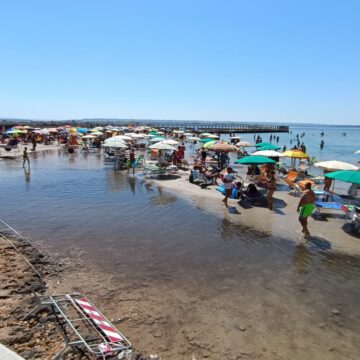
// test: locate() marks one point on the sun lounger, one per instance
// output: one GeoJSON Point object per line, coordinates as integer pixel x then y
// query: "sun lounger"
{"type": "Point", "coordinates": [329, 205]}
{"type": "Point", "coordinates": [290, 180]}
{"type": "Point", "coordinates": [85, 327]}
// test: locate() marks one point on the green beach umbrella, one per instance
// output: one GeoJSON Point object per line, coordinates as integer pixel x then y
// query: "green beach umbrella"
{"type": "Point", "coordinates": [268, 147]}
{"type": "Point", "coordinates": [206, 140]}
{"type": "Point", "coordinates": [262, 144]}
{"type": "Point", "coordinates": [255, 160]}
{"type": "Point", "coordinates": [345, 175]}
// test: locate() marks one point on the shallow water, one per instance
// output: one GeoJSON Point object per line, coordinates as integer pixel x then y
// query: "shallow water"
{"type": "Point", "coordinates": [129, 227]}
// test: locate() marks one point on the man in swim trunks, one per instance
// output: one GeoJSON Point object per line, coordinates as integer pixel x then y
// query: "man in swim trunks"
{"type": "Point", "coordinates": [25, 157]}
{"type": "Point", "coordinates": [306, 207]}
{"type": "Point", "coordinates": [132, 161]}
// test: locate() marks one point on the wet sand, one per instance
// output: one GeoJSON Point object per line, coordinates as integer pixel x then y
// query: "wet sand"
{"type": "Point", "coordinates": [331, 229]}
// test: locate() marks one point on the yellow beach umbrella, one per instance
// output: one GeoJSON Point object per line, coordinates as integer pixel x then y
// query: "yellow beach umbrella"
{"type": "Point", "coordinates": [295, 154]}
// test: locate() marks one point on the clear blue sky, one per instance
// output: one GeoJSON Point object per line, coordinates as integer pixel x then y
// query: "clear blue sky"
{"type": "Point", "coordinates": [291, 61]}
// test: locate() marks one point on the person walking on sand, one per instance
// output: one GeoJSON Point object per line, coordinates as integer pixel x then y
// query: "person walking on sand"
{"type": "Point", "coordinates": [306, 207]}
{"type": "Point", "coordinates": [25, 157]}
{"type": "Point", "coordinates": [271, 183]}
{"type": "Point", "coordinates": [228, 180]}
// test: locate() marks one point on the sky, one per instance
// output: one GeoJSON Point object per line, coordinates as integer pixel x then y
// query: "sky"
{"type": "Point", "coordinates": [250, 61]}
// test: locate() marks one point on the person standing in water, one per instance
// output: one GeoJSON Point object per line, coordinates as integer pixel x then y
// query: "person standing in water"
{"type": "Point", "coordinates": [25, 157]}
{"type": "Point", "coordinates": [228, 180]}
{"type": "Point", "coordinates": [305, 208]}
{"type": "Point", "coordinates": [271, 183]}
{"type": "Point", "coordinates": [322, 143]}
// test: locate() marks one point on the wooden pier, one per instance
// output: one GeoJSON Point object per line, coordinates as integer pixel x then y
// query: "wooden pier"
{"type": "Point", "coordinates": [220, 127]}
{"type": "Point", "coordinates": [217, 127]}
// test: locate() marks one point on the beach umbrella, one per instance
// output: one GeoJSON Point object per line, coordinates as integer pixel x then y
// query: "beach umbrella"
{"type": "Point", "coordinates": [213, 136]}
{"type": "Point", "coordinates": [89, 137]}
{"type": "Point", "coordinates": [243, 144]}
{"type": "Point", "coordinates": [137, 136]}
{"type": "Point", "coordinates": [206, 145]}
{"type": "Point", "coordinates": [170, 142]}
{"type": "Point", "coordinates": [205, 134]}
{"type": "Point", "coordinates": [262, 144]}
{"type": "Point", "coordinates": [345, 175]}
{"type": "Point", "coordinates": [97, 133]}
{"type": "Point", "coordinates": [161, 146]}
{"type": "Point", "coordinates": [235, 137]}
{"type": "Point", "coordinates": [295, 154]}
{"type": "Point", "coordinates": [335, 165]}
{"type": "Point", "coordinates": [116, 145]}
{"type": "Point", "coordinates": [268, 153]}
{"type": "Point", "coordinates": [254, 160]}
{"type": "Point", "coordinates": [206, 140]}
{"type": "Point", "coordinates": [188, 134]}
{"type": "Point", "coordinates": [109, 142]}
{"type": "Point", "coordinates": [194, 138]}
{"type": "Point", "coordinates": [82, 130]}
{"type": "Point", "coordinates": [122, 137]}
{"type": "Point", "coordinates": [268, 147]}
{"type": "Point", "coordinates": [157, 139]}
{"type": "Point", "coordinates": [221, 146]}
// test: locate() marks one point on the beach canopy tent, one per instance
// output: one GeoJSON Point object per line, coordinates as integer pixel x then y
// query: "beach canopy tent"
{"type": "Point", "coordinates": [268, 153]}
{"type": "Point", "coordinates": [243, 144]}
{"type": "Point", "coordinates": [335, 165]}
{"type": "Point", "coordinates": [345, 175]}
{"type": "Point", "coordinates": [255, 160]}
{"type": "Point", "coordinates": [268, 147]}
{"type": "Point", "coordinates": [162, 146]}
{"type": "Point", "coordinates": [295, 154]}
{"type": "Point", "coordinates": [221, 146]}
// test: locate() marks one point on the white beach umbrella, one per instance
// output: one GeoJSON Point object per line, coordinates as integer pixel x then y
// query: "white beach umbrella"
{"type": "Point", "coordinates": [137, 136]}
{"type": "Point", "coordinates": [335, 165]}
{"type": "Point", "coordinates": [194, 138]}
{"type": "Point", "coordinates": [97, 133]}
{"type": "Point", "coordinates": [118, 145]}
{"type": "Point", "coordinates": [113, 140]}
{"type": "Point", "coordinates": [156, 139]}
{"type": "Point", "coordinates": [205, 134]}
{"type": "Point", "coordinates": [267, 153]}
{"type": "Point", "coordinates": [122, 137]}
{"type": "Point", "coordinates": [235, 137]}
{"type": "Point", "coordinates": [161, 146]}
{"type": "Point", "coordinates": [89, 137]}
{"type": "Point", "coordinates": [170, 142]}
{"type": "Point", "coordinates": [188, 134]}
{"type": "Point", "coordinates": [243, 144]}
{"type": "Point", "coordinates": [213, 136]}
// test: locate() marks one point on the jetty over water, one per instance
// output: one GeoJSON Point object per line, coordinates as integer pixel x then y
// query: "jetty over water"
{"type": "Point", "coordinates": [218, 127]}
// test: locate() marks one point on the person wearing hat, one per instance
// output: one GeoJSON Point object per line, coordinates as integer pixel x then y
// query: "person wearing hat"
{"type": "Point", "coordinates": [228, 180]}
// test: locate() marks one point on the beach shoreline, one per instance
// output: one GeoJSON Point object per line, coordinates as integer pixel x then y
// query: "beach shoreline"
{"type": "Point", "coordinates": [282, 222]}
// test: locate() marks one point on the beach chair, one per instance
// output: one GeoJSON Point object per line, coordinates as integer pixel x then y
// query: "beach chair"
{"type": "Point", "coordinates": [290, 180]}
{"type": "Point", "coordinates": [85, 327]}
{"type": "Point", "coordinates": [329, 205]}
